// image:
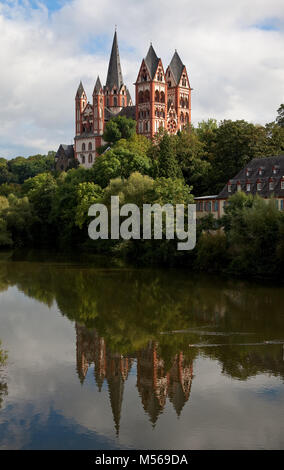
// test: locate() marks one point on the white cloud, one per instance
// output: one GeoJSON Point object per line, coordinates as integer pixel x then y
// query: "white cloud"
{"type": "Point", "coordinates": [235, 66]}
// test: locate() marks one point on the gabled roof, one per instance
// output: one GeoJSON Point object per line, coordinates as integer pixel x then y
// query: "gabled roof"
{"type": "Point", "coordinates": [80, 90]}
{"type": "Point", "coordinates": [98, 86]}
{"type": "Point", "coordinates": [114, 74]}
{"type": "Point", "coordinates": [267, 164]}
{"type": "Point", "coordinates": [176, 67]}
{"type": "Point", "coordinates": [128, 96]}
{"type": "Point", "coordinates": [151, 60]}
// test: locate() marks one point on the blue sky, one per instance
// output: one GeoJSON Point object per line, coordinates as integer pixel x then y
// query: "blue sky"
{"type": "Point", "coordinates": [234, 53]}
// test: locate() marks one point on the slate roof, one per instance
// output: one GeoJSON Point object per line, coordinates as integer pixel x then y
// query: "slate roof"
{"type": "Point", "coordinates": [68, 151]}
{"type": "Point", "coordinates": [98, 86]}
{"type": "Point", "coordinates": [129, 112]}
{"type": "Point", "coordinates": [114, 74]}
{"type": "Point", "coordinates": [176, 67]}
{"type": "Point", "coordinates": [128, 96]}
{"type": "Point", "coordinates": [151, 60]}
{"type": "Point", "coordinates": [267, 165]}
{"type": "Point", "coordinates": [80, 90]}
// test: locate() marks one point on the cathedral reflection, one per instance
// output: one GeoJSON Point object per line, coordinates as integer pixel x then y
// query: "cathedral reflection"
{"type": "Point", "coordinates": [155, 381]}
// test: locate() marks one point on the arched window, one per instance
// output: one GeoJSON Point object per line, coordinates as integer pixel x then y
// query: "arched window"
{"type": "Point", "coordinates": [186, 118]}
{"type": "Point", "coordinates": [181, 117]}
{"type": "Point", "coordinates": [140, 97]}
{"type": "Point", "coordinates": [90, 146]}
{"type": "Point", "coordinates": [147, 96]}
{"type": "Point", "coordinates": [115, 101]}
{"type": "Point", "coordinates": [157, 96]}
{"type": "Point", "coordinates": [83, 147]}
{"type": "Point", "coordinates": [83, 158]}
{"type": "Point", "coordinates": [90, 158]}
{"type": "Point", "coordinates": [123, 101]}
{"type": "Point", "coordinates": [162, 97]}
{"type": "Point", "coordinates": [107, 101]}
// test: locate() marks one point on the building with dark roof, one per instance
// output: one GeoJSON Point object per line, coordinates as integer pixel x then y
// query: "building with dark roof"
{"type": "Point", "coordinates": [262, 176]}
{"type": "Point", "coordinates": [163, 99]}
{"type": "Point", "coordinates": [64, 157]}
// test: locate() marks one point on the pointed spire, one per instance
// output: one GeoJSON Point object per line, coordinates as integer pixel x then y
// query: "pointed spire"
{"type": "Point", "coordinates": [152, 61]}
{"type": "Point", "coordinates": [114, 74]}
{"type": "Point", "coordinates": [176, 66]}
{"type": "Point", "coordinates": [98, 87]}
{"type": "Point", "coordinates": [80, 90]}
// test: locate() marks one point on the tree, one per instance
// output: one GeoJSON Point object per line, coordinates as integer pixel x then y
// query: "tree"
{"type": "Point", "coordinates": [168, 166]}
{"type": "Point", "coordinates": [118, 128]}
{"type": "Point", "coordinates": [119, 161]}
{"type": "Point", "coordinates": [87, 194]}
{"type": "Point", "coordinates": [280, 117]}
{"type": "Point", "coordinates": [191, 159]}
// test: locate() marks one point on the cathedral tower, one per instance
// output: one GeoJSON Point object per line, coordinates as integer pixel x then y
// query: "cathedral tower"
{"type": "Point", "coordinates": [115, 91]}
{"type": "Point", "coordinates": [179, 95]}
{"type": "Point", "coordinates": [151, 95]}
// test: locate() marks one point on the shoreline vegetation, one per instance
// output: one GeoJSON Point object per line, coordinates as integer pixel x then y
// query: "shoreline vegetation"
{"type": "Point", "coordinates": [43, 208]}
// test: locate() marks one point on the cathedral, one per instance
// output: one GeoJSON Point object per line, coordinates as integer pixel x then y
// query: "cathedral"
{"type": "Point", "coordinates": [162, 99]}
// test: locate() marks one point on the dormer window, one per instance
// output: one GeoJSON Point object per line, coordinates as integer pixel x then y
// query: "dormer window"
{"type": "Point", "coordinates": [248, 186]}
{"type": "Point", "coordinates": [239, 186]}
{"type": "Point", "coordinates": [114, 91]}
{"type": "Point", "coordinates": [275, 169]}
{"type": "Point", "coordinates": [271, 184]}
{"type": "Point", "coordinates": [247, 172]}
{"type": "Point", "coordinates": [258, 185]}
{"type": "Point", "coordinates": [260, 171]}
{"type": "Point", "coordinates": [229, 187]}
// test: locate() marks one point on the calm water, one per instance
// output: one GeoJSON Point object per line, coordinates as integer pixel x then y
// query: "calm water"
{"type": "Point", "coordinates": [105, 357]}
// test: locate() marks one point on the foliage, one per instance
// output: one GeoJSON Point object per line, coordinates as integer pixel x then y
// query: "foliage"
{"type": "Point", "coordinates": [280, 117]}
{"type": "Point", "coordinates": [119, 127]}
{"type": "Point", "coordinates": [119, 162]}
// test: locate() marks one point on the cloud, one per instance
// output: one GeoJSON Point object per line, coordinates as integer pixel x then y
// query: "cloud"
{"type": "Point", "coordinates": [233, 51]}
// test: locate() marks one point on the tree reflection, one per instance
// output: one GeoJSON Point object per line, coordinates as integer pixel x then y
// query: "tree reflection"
{"type": "Point", "coordinates": [132, 308]}
{"type": "Point", "coordinates": [3, 385]}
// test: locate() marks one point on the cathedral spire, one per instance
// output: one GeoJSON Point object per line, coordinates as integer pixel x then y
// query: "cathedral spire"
{"type": "Point", "coordinates": [152, 61]}
{"type": "Point", "coordinates": [114, 75]}
{"type": "Point", "coordinates": [176, 66]}
{"type": "Point", "coordinates": [80, 90]}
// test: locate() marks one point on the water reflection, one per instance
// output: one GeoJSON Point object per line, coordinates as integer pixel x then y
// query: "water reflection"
{"type": "Point", "coordinates": [3, 384]}
{"type": "Point", "coordinates": [144, 331]}
{"type": "Point", "coordinates": [155, 382]}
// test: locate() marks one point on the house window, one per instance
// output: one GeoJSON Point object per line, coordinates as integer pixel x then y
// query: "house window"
{"type": "Point", "coordinates": [282, 184]}
{"type": "Point", "coordinates": [271, 185]}
{"type": "Point", "coordinates": [216, 206]}
{"type": "Point", "coordinates": [115, 101]}
{"type": "Point", "coordinates": [123, 101]}
{"type": "Point", "coordinates": [239, 187]}
{"type": "Point", "coordinates": [83, 158]}
{"type": "Point", "coordinates": [260, 171]}
{"type": "Point", "coordinates": [90, 146]}
{"type": "Point", "coordinates": [258, 186]}
{"type": "Point", "coordinates": [282, 204]}
{"type": "Point", "coordinates": [83, 147]}
{"type": "Point", "coordinates": [248, 186]}
{"type": "Point", "coordinates": [90, 158]}
{"type": "Point", "coordinates": [229, 188]}
{"type": "Point", "coordinates": [276, 204]}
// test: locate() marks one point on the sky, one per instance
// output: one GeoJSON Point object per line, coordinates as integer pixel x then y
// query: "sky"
{"type": "Point", "coordinates": [233, 51]}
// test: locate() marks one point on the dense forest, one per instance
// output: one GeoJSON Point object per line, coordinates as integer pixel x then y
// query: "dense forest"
{"type": "Point", "coordinates": [42, 207]}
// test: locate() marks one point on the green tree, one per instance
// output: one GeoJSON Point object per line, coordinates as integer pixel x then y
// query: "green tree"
{"type": "Point", "coordinates": [87, 194]}
{"type": "Point", "coordinates": [280, 117]}
{"type": "Point", "coordinates": [119, 127]}
{"type": "Point", "coordinates": [168, 166]}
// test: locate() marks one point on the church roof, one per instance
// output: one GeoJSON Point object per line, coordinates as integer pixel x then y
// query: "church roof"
{"type": "Point", "coordinates": [80, 90]}
{"type": "Point", "coordinates": [152, 61]}
{"type": "Point", "coordinates": [114, 74]}
{"type": "Point", "coordinates": [128, 111]}
{"type": "Point", "coordinates": [177, 67]}
{"type": "Point", "coordinates": [98, 86]}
